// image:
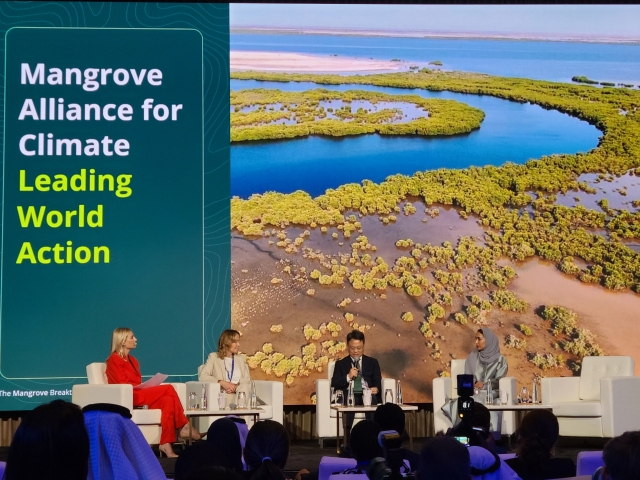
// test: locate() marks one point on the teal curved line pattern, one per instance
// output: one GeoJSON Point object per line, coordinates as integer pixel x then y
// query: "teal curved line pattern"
{"type": "Point", "coordinates": [212, 20]}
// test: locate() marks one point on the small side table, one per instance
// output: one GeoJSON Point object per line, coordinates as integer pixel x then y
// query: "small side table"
{"type": "Point", "coordinates": [362, 409]}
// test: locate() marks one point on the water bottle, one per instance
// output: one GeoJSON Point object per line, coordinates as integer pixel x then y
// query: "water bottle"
{"type": "Point", "coordinates": [193, 402]}
{"type": "Point", "coordinates": [534, 391]}
{"type": "Point", "coordinates": [388, 396]}
{"type": "Point", "coordinates": [489, 393]}
{"type": "Point", "coordinates": [253, 398]}
{"type": "Point", "coordinates": [350, 399]}
{"type": "Point", "coordinates": [399, 394]}
{"type": "Point", "coordinates": [203, 398]}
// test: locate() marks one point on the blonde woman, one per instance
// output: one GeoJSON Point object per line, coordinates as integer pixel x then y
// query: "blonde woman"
{"type": "Point", "coordinates": [226, 367]}
{"type": "Point", "coordinates": [123, 368]}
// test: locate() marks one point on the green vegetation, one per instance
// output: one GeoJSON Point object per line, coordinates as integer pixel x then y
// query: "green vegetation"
{"type": "Point", "coordinates": [511, 341]}
{"type": "Point", "coordinates": [582, 79]}
{"type": "Point", "coordinates": [526, 330]}
{"type": "Point", "coordinates": [514, 204]}
{"type": "Point", "coordinates": [546, 361]}
{"type": "Point", "coordinates": [436, 62]}
{"type": "Point", "coordinates": [308, 117]}
{"type": "Point", "coordinates": [506, 300]}
{"type": "Point", "coordinates": [495, 196]}
{"type": "Point", "coordinates": [579, 341]}
{"type": "Point", "coordinates": [562, 319]}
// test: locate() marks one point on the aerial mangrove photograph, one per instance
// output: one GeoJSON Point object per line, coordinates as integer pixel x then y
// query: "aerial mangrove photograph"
{"type": "Point", "coordinates": [418, 172]}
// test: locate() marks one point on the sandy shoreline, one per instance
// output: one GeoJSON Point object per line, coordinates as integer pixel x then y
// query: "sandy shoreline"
{"type": "Point", "coordinates": [295, 62]}
{"type": "Point", "coordinates": [524, 36]}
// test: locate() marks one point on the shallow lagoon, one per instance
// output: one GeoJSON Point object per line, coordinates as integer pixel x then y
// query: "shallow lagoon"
{"type": "Point", "coordinates": [511, 131]}
{"type": "Point", "coordinates": [543, 60]}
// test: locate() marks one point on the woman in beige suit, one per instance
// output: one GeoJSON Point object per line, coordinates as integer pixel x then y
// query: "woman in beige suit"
{"type": "Point", "coordinates": [226, 367]}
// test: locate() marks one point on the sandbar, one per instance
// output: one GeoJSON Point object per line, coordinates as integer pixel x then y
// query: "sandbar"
{"type": "Point", "coordinates": [297, 62]}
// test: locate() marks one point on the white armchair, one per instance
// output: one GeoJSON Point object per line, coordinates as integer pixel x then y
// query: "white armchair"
{"type": "Point", "coordinates": [270, 392]}
{"type": "Point", "coordinates": [98, 390]}
{"type": "Point", "coordinates": [325, 417]}
{"type": "Point", "coordinates": [445, 388]}
{"type": "Point", "coordinates": [602, 402]}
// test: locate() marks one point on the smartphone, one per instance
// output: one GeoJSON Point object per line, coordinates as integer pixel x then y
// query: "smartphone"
{"type": "Point", "coordinates": [463, 440]}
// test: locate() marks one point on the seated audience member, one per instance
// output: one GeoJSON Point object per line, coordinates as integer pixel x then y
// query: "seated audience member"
{"type": "Point", "coordinates": [484, 438]}
{"type": "Point", "coordinates": [444, 458]}
{"type": "Point", "coordinates": [266, 451]}
{"type": "Point", "coordinates": [537, 435]}
{"type": "Point", "coordinates": [214, 473]}
{"type": "Point", "coordinates": [364, 445]}
{"type": "Point", "coordinates": [391, 417]}
{"type": "Point", "coordinates": [118, 448]}
{"type": "Point", "coordinates": [621, 457]}
{"type": "Point", "coordinates": [223, 435]}
{"type": "Point", "coordinates": [202, 456]}
{"type": "Point", "coordinates": [51, 443]}
{"type": "Point", "coordinates": [241, 425]}
{"type": "Point", "coordinates": [486, 465]}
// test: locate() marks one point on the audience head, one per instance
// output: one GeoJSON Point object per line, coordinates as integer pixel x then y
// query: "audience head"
{"type": "Point", "coordinates": [444, 457]}
{"type": "Point", "coordinates": [364, 441]}
{"type": "Point", "coordinates": [481, 416]}
{"type": "Point", "coordinates": [117, 447]}
{"type": "Point", "coordinates": [223, 436]}
{"type": "Point", "coordinates": [621, 457]}
{"type": "Point", "coordinates": [482, 419]}
{"type": "Point", "coordinates": [227, 338]}
{"type": "Point", "coordinates": [50, 443]}
{"type": "Point", "coordinates": [537, 435]}
{"type": "Point", "coordinates": [390, 417]}
{"type": "Point", "coordinates": [267, 450]}
{"type": "Point", "coordinates": [199, 456]}
{"type": "Point", "coordinates": [214, 473]}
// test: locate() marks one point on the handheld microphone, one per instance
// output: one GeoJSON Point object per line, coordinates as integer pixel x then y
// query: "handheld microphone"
{"type": "Point", "coordinates": [354, 364]}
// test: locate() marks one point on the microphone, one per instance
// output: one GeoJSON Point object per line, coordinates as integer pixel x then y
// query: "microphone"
{"type": "Point", "coordinates": [354, 364]}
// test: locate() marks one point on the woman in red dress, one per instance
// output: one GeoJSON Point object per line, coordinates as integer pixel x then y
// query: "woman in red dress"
{"type": "Point", "coordinates": [124, 368]}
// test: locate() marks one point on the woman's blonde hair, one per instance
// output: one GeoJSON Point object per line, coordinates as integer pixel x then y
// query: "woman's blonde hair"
{"type": "Point", "coordinates": [118, 337]}
{"type": "Point", "coordinates": [227, 337]}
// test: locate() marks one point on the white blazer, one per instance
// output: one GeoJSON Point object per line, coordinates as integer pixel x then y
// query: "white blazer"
{"type": "Point", "coordinates": [213, 371]}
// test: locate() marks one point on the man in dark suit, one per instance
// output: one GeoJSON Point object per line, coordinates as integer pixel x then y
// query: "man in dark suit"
{"type": "Point", "coordinates": [357, 367]}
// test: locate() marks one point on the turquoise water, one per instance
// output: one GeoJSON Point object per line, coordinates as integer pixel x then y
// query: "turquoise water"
{"type": "Point", "coordinates": [555, 61]}
{"type": "Point", "coordinates": [510, 132]}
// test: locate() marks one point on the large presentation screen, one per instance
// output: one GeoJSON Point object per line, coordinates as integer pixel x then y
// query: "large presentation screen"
{"type": "Point", "coordinates": [299, 171]}
{"type": "Point", "coordinates": [419, 172]}
{"type": "Point", "coordinates": [115, 190]}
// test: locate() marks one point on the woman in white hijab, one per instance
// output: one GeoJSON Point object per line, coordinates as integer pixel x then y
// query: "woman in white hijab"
{"type": "Point", "coordinates": [486, 364]}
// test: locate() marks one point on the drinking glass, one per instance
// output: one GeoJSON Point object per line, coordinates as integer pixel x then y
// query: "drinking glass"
{"type": "Point", "coordinates": [242, 400]}
{"type": "Point", "coordinates": [222, 400]}
{"type": "Point", "coordinates": [339, 398]}
{"type": "Point", "coordinates": [388, 396]}
{"type": "Point", "coordinates": [504, 398]}
{"type": "Point", "coordinates": [366, 397]}
{"type": "Point", "coordinates": [524, 395]}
